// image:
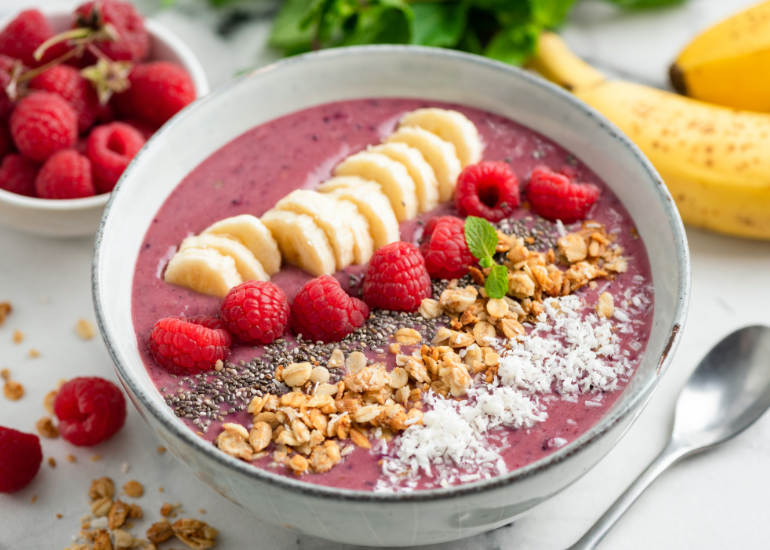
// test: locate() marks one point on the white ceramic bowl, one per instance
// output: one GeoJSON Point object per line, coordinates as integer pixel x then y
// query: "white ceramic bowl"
{"type": "Point", "coordinates": [358, 517]}
{"type": "Point", "coordinates": [80, 217]}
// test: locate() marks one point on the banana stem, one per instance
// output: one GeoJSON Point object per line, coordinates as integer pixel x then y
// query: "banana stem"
{"type": "Point", "coordinates": [556, 62]}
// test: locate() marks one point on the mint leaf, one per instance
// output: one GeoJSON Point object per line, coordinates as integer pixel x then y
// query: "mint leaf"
{"type": "Point", "coordinates": [384, 22]}
{"type": "Point", "coordinates": [551, 13]}
{"type": "Point", "coordinates": [514, 45]}
{"type": "Point", "coordinates": [496, 285]}
{"type": "Point", "coordinates": [486, 262]}
{"type": "Point", "coordinates": [481, 237]}
{"type": "Point", "coordinates": [288, 31]}
{"type": "Point", "coordinates": [439, 24]}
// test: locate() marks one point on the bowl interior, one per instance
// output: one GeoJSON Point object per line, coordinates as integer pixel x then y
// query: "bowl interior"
{"type": "Point", "coordinates": [384, 71]}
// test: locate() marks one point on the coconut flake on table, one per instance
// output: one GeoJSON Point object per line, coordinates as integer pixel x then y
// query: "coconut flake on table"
{"type": "Point", "coordinates": [569, 350]}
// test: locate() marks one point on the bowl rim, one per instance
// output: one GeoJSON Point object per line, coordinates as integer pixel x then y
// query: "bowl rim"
{"type": "Point", "coordinates": [639, 395]}
{"type": "Point", "coordinates": [157, 31]}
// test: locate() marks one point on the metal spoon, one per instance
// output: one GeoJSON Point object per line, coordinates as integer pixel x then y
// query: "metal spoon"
{"type": "Point", "coordinates": [728, 391]}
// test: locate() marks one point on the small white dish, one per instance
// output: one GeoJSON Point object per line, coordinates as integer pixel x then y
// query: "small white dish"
{"type": "Point", "coordinates": [80, 217]}
{"type": "Point", "coordinates": [358, 517]}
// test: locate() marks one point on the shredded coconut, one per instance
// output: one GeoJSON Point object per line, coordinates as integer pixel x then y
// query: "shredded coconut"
{"type": "Point", "coordinates": [569, 351]}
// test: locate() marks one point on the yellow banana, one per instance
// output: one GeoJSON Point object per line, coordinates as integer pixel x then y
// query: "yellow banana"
{"type": "Point", "coordinates": [714, 160]}
{"type": "Point", "coordinates": [729, 64]}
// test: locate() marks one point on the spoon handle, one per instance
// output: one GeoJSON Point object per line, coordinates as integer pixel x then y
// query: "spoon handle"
{"type": "Point", "coordinates": [591, 539]}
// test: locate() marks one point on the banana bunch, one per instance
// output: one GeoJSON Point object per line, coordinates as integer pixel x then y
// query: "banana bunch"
{"type": "Point", "coordinates": [729, 64]}
{"type": "Point", "coordinates": [713, 159]}
{"type": "Point", "coordinates": [346, 219]}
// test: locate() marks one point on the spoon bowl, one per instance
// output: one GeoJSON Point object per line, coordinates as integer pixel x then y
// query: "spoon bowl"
{"type": "Point", "coordinates": [727, 393]}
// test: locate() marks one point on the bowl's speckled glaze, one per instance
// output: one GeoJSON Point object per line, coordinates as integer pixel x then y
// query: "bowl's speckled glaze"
{"type": "Point", "coordinates": [357, 517]}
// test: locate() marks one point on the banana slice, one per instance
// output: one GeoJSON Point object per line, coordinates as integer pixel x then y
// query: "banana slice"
{"type": "Point", "coordinates": [301, 241]}
{"type": "Point", "coordinates": [247, 265]}
{"type": "Point", "coordinates": [371, 202]}
{"type": "Point", "coordinates": [451, 126]}
{"type": "Point", "coordinates": [392, 176]}
{"type": "Point", "coordinates": [425, 182]}
{"type": "Point", "coordinates": [253, 235]}
{"type": "Point", "coordinates": [326, 215]}
{"type": "Point", "coordinates": [359, 225]}
{"type": "Point", "coordinates": [440, 154]}
{"type": "Point", "coordinates": [203, 270]}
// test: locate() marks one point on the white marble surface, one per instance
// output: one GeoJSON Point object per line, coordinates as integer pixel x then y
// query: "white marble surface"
{"type": "Point", "coordinates": [714, 501]}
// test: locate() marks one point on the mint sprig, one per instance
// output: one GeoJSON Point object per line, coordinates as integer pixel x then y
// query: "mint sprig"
{"type": "Point", "coordinates": [481, 238]}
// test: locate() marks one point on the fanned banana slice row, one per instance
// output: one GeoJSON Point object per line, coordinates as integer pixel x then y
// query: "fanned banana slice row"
{"type": "Point", "coordinates": [451, 126]}
{"type": "Point", "coordinates": [363, 247]}
{"type": "Point", "coordinates": [392, 176]}
{"type": "Point", "coordinates": [325, 213]}
{"type": "Point", "coordinates": [371, 202]}
{"type": "Point", "coordinates": [203, 270]}
{"type": "Point", "coordinates": [425, 182]}
{"type": "Point", "coordinates": [440, 154]}
{"type": "Point", "coordinates": [301, 241]}
{"type": "Point", "coordinates": [252, 233]}
{"type": "Point", "coordinates": [247, 265]}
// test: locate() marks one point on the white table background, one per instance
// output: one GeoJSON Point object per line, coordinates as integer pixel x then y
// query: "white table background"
{"type": "Point", "coordinates": [716, 500]}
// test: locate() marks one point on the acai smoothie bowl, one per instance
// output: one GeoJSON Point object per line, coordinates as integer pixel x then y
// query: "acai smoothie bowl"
{"type": "Point", "coordinates": [390, 295]}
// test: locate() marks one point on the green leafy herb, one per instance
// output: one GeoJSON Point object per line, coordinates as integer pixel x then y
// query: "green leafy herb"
{"type": "Point", "coordinates": [496, 284]}
{"type": "Point", "coordinates": [506, 30]}
{"type": "Point", "coordinates": [481, 238]}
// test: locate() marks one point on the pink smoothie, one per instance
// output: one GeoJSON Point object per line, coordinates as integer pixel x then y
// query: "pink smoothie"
{"type": "Point", "coordinates": [251, 173]}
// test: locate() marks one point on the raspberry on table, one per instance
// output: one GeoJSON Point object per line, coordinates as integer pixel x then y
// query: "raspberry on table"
{"type": "Point", "coordinates": [322, 311]}
{"type": "Point", "coordinates": [256, 312]}
{"type": "Point", "coordinates": [66, 175]}
{"type": "Point", "coordinates": [70, 84]}
{"type": "Point", "coordinates": [158, 91]}
{"type": "Point", "coordinates": [18, 174]}
{"type": "Point", "coordinates": [110, 148]}
{"type": "Point", "coordinates": [134, 42]}
{"type": "Point", "coordinates": [488, 190]}
{"type": "Point", "coordinates": [189, 346]}
{"type": "Point", "coordinates": [90, 410]}
{"type": "Point", "coordinates": [20, 459]}
{"type": "Point", "coordinates": [443, 246]}
{"type": "Point", "coordinates": [397, 278]}
{"type": "Point", "coordinates": [22, 36]}
{"type": "Point", "coordinates": [554, 197]}
{"type": "Point", "coordinates": [42, 124]}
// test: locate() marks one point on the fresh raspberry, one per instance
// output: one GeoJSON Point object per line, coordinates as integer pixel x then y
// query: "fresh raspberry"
{"type": "Point", "coordinates": [134, 41]}
{"type": "Point", "coordinates": [322, 311]}
{"type": "Point", "coordinates": [18, 174]}
{"type": "Point", "coordinates": [6, 145]}
{"type": "Point", "coordinates": [42, 124]}
{"type": "Point", "coordinates": [6, 105]}
{"type": "Point", "coordinates": [158, 91]}
{"type": "Point", "coordinates": [20, 458]}
{"type": "Point", "coordinates": [488, 190]}
{"type": "Point", "coordinates": [144, 129]}
{"type": "Point", "coordinates": [256, 312]}
{"type": "Point", "coordinates": [444, 248]}
{"type": "Point", "coordinates": [66, 175]}
{"type": "Point", "coordinates": [554, 197]}
{"type": "Point", "coordinates": [90, 410]}
{"type": "Point", "coordinates": [189, 346]}
{"type": "Point", "coordinates": [68, 83]}
{"type": "Point", "coordinates": [22, 36]}
{"type": "Point", "coordinates": [397, 278]}
{"type": "Point", "coordinates": [110, 148]}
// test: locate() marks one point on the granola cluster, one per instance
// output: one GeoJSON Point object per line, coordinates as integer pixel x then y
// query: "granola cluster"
{"type": "Point", "coordinates": [311, 425]}
{"type": "Point", "coordinates": [108, 526]}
